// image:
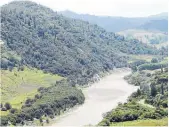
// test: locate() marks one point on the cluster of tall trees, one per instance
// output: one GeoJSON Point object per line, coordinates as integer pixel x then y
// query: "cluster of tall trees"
{"type": "Point", "coordinates": [53, 43]}
{"type": "Point", "coordinates": [36, 36]}
{"type": "Point", "coordinates": [49, 102]}
{"type": "Point", "coordinates": [159, 89]}
{"type": "Point", "coordinates": [131, 111]}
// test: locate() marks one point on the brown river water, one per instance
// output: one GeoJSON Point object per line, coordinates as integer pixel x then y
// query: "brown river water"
{"type": "Point", "coordinates": [101, 97]}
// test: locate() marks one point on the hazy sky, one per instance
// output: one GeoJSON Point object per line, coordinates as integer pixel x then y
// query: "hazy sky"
{"type": "Point", "coordinates": [126, 8]}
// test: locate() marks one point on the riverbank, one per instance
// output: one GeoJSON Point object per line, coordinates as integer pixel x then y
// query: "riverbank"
{"type": "Point", "coordinates": [146, 107]}
{"type": "Point", "coordinates": [100, 97]}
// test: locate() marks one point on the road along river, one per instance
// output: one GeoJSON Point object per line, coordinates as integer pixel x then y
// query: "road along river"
{"type": "Point", "coordinates": [101, 97]}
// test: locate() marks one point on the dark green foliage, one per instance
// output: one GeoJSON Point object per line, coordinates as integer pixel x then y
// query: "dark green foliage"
{"type": "Point", "coordinates": [4, 121]}
{"type": "Point", "coordinates": [40, 120]}
{"type": "Point", "coordinates": [37, 96]}
{"type": "Point", "coordinates": [134, 65]}
{"type": "Point", "coordinates": [153, 90]}
{"type": "Point", "coordinates": [53, 100]}
{"type": "Point", "coordinates": [9, 59]}
{"type": "Point", "coordinates": [7, 106]}
{"type": "Point", "coordinates": [154, 60]}
{"type": "Point", "coordinates": [165, 104]}
{"type": "Point", "coordinates": [47, 120]}
{"type": "Point", "coordinates": [12, 119]}
{"type": "Point", "coordinates": [156, 93]}
{"type": "Point", "coordinates": [72, 48]}
{"type": "Point", "coordinates": [3, 109]}
{"type": "Point", "coordinates": [138, 92]}
{"type": "Point", "coordinates": [13, 110]}
{"type": "Point", "coordinates": [131, 111]}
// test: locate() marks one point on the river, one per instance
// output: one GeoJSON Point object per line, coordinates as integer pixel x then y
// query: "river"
{"type": "Point", "coordinates": [101, 97]}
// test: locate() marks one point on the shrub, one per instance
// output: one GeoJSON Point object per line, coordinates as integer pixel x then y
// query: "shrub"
{"type": "Point", "coordinates": [4, 121]}
{"type": "Point", "coordinates": [165, 104]}
{"type": "Point", "coordinates": [8, 106]}
{"type": "Point", "coordinates": [154, 60]}
{"type": "Point", "coordinates": [3, 109]}
{"type": "Point", "coordinates": [47, 120]}
{"type": "Point", "coordinates": [41, 120]}
{"type": "Point", "coordinates": [13, 110]}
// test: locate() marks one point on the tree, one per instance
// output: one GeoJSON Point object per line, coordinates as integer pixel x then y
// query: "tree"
{"type": "Point", "coordinates": [153, 90]}
{"type": "Point", "coordinates": [41, 120]}
{"type": "Point", "coordinates": [138, 92]}
{"type": "Point", "coordinates": [165, 104]}
{"type": "Point", "coordinates": [1, 105]}
{"type": "Point", "coordinates": [13, 110]}
{"type": "Point", "coordinates": [8, 106]}
{"type": "Point", "coordinates": [37, 96]}
{"type": "Point", "coordinates": [154, 60]}
{"type": "Point", "coordinates": [161, 69]}
{"type": "Point", "coordinates": [162, 89]}
{"type": "Point", "coordinates": [47, 120]}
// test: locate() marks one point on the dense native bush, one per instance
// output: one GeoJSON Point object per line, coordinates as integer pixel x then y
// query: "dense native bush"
{"type": "Point", "coordinates": [152, 86]}
{"type": "Point", "coordinates": [48, 41]}
{"type": "Point", "coordinates": [53, 101]}
{"type": "Point", "coordinates": [131, 111]}
{"type": "Point", "coordinates": [153, 89]}
{"type": "Point", "coordinates": [134, 65]}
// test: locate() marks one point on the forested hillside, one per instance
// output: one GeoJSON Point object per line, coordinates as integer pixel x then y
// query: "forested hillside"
{"type": "Point", "coordinates": [45, 55]}
{"type": "Point", "coordinates": [68, 47]}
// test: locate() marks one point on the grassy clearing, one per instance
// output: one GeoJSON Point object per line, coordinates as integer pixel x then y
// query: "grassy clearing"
{"type": "Point", "coordinates": [142, 102]}
{"type": "Point", "coordinates": [147, 58]}
{"type": "Point", "coordinates": [147, 122]}
{"type": "Point", "coordinates": [17, 86]}
{"type": "Point", "coordinates": [140, 57]}
{"type": "Point", "coordinates": [164, 44]}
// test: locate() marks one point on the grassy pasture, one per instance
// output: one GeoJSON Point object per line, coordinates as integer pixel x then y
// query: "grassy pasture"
{"type": "Point", "coordinates": [17, 86]}
{"type": "Point", "coordinates": [140, 57]}
{"type": "Point", "coordinates": [147, 122]}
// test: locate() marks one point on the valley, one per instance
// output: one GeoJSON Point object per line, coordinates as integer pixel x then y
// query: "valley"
{"type": "Point", "coordinates": [60, 69]}
{"type": "Point", "coordinates": [101, 97]}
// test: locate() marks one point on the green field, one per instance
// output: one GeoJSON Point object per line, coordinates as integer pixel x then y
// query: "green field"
{"type": "Point", "coordinates": [140, 57]}
{"type": "Point", "coordinates": [17, 86]}
{"type": "Point", "coordinates": [147, 58]}
{"type": "Point", "coordinates": [147, 122]}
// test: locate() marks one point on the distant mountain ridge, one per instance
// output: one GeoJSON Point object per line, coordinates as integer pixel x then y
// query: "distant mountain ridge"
{"type": "Point", "coordinates": [116, 24]}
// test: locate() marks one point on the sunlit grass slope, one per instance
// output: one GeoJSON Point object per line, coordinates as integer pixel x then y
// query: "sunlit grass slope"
{"type": "Point", "coordinates": [147, 122]}
{"type": "Point", "coordinates": [17, 86]}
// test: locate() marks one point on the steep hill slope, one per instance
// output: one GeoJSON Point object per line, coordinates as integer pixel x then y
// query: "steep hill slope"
{"type": "Point", "coordinates": [50, 42]}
